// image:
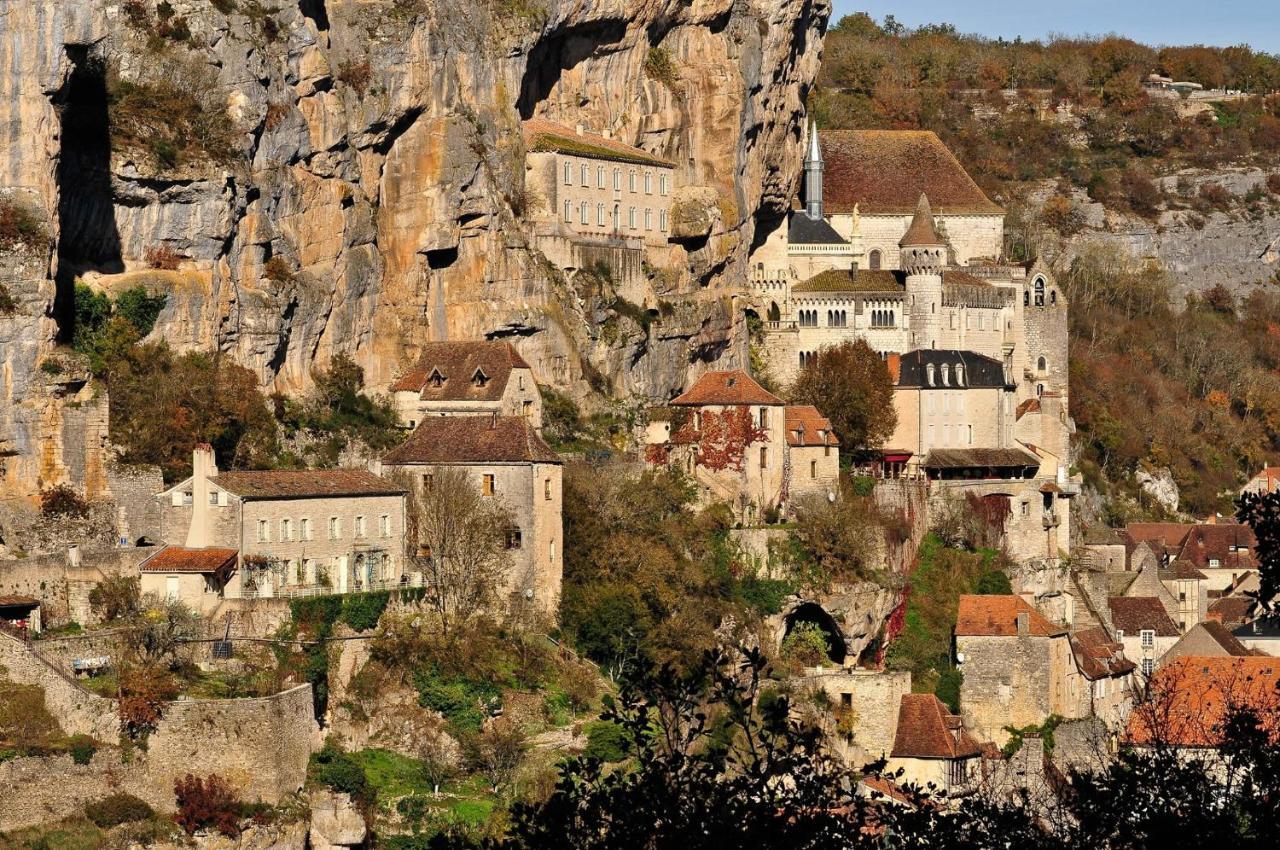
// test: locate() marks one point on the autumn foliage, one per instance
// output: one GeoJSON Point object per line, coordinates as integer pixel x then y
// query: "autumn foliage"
{"type": "Point", "coordinates": [205, 804]}
{"type": "Point", "coordinates": [721, 439]}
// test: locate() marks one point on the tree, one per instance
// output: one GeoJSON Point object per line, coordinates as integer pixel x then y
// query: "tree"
{"type": "Point", "coordinates": [116, 597]}
{"type": "Point", "coordinates": [496, 752]}
{"type": "Point", "coordinates": [850, 384]}
{"type": "Point", "coordinates": [838, 541]}
{"type": "Point", "coordinates": [458, 539]}
{"type": "Point", "coordinates": [439, 756]}
{"type": "Point", "coordinates": [1261, 512]}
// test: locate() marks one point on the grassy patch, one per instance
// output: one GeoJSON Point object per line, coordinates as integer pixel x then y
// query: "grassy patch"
{"type": "Point", "coordinates": [392, 775]}
{"type": "Point", "coordinates": [26, 726]}
{"type": "Point", "coordinates": [73, 834]}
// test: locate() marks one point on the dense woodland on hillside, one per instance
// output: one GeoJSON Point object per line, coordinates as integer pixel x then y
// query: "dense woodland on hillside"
{"type": "Point", "coordinates": [1155, 382]}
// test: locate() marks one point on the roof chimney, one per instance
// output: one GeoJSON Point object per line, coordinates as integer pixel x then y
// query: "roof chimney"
{"type": "Point", "coordinates": [579, 129]}
{"type": "Point", "coordinates": [1024, 624]}
{"type": "Point", "coordinates": [493, 419]}
{"type": "Point", "coordinates": [203, 467]}
{"type": "Point", "coordinates": [608, 134]}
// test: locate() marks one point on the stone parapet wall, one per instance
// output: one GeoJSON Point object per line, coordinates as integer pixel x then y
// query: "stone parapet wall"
{"type": "Point", "coordinates": [61, 588]}
{"type": "Point", "coordinates": [77, 711]}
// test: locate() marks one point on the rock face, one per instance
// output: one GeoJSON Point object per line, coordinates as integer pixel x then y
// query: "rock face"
{"type": "Point", "coordinates": [335, 822]}
{"type": "Point", "coordinates": [348, 176]}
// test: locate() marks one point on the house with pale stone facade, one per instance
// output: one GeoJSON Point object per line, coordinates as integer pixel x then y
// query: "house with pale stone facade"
{"type": "Point", "coordinates": [297, 532]}
{"type": "Point", "coordinates": [932, 747]}
{"type": "Point", "coordinates": [507, 461]}
{"type": "Point", "coordinates": [197, 578]}
{"type": "Point", "coordinates": [467, 378]}
{"type": "Point", "coordinates": [744, 446]}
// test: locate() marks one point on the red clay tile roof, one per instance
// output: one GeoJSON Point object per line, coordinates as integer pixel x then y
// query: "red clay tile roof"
{"type": "Point", "coordinates": [1135, 614]}
{"type": "Point", "coordinates": [542, 135]}
{"type": "Point", "coordinates": [921, 231]}
{"type": "Point", "coordinates": [1230, 610]}
{"type": "Point", "coordinates": [885, 171]}
{"type": "Point", "coordinates": [1193, 695]}
{"type": "Point", "coordinates": [1170, 535]}
{"type": "Point", "coordinates": [178, 559]}
{"type": "Point", "coordinates": [1097, 656]}
{"type": "Point", "coordinates": [860, 280]}
{"type": "Point", "coordinates": [472, 439]}
{"type": "Point", "coordinates": [806, 426]}
{"type": "Point", "coordinates": [305, 483]}
{"type": "Point", "coordinates": [726, 388]}
{"type": "Point", "coordinates": [457, 364]}
{"type": "Point", "coordinates": [18, 601]}
{"type": "Point", "coordinates": [927, 730]}
{"type": "Point", "coordinates": [1213, 541]}
{"type": "Point", "coordinates": [1181, 569]}
{"type": "Point", "coordinates": [997, 616]}
{"type": "Point", "coordinates": [1031, 405]}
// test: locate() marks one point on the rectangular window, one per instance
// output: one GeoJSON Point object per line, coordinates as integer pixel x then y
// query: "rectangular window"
{"type": "Point", "coordinates": [1148, 664]}
{"type": "Point", "coordinates": [1148, 638]}
{"type": "Point", "coordinates": [600, 215]}
{"type": "Point", "coordinates": [662, 220]}
{"type": "Point", "coordinates": [384, 525]}
{"type": "Point", "coordinates": [1215, 562]}
{"type": "Point", "coordinates": [631, 181]}
{"type": "Point", "coordinates": [631, 217]}
{"type": "Point", "coordinates": [648, 219]}
{"type": "Point", "coordinates": [213, 497]}
{"type": "Point", "coordinates": [813, 469]}
{"type": "Point", "coordinates": [617, 179]}
{"type": "Point", "coordinates": [526, 408]}
{"type": "Point", "coordinates": [286, 529]}
{"type": "Point", "coordinates": [359, 526]}
{"type": "Point", "coordinates": [764, 417]}
{"type": "Point", "coordinates": [486, 484]}
{"type": "Point", "coordinates": [546, 489]}
{"type": "Point", "coordinates": [428, 482]}
{"type": "Point", "coordinates": [764, 457]}
{"type": "Point", "coordinates": [662, 184]}
{"type": "Point", "coordinates": [304, 529]}
{"type": "Point", "coordinates": [264, 533]}
{"type": "Point", "coordinates": [335, 529]}
{"type": "Point", "coordinates": [514, 538]}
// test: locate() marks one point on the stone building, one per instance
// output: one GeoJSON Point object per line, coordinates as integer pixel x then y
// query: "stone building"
{"type": "Point", "coordinates": [1019, 668]}
{"type": "Point", "coordinates": [1143, 626]}
{"type": "Point", "coordinates": [1266, 481]}
{"type": "Point", "coordinates": [1207, 640]}
{"type": "Point", "coordinates": [197, 578]}
{"type": "Point", "coordinates": [468, 379]}
{"type": "Point", "coordinates": [508, 462]}
{"type": "Point", "coordinates": [931, 746]}
{"type": "Point", "coordinates": [297, 531]}
{"type": "Point", "coordinates": [743, 445]}
{"type": "Point", "coordinates": [896, 245]}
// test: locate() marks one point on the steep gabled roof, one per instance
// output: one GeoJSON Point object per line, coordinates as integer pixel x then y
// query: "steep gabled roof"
{"type": "Point", "coordinates": [1181, 569]}
{"type": "Point", "coordinates": [732, 387]}
{"type": "Point", "coordinates": [1215, 541]}
{"type": "Point", "coordinates": [997, 616]}
{"type": "Point", "coordinates": [457, 363]}
{"type": "Point", "coordinates": [211, 560]}
{"type": "Point", "coordinates": [1231, 611]}
{"type": "Point", "coordinates": [802, 230]}
{"type": "Point", "coordinates": [305, 484]}
{"type": "Point", "coordinates": [541, 135]}
{"type": "Point", "coordinates": [472, 439]}
{"type": "Point", "coordinates": [1136, 614]}
{"type": "Point", "coordinates": [979, 370]}
{"type": "Point", "coordinates": [1098, 656]}
{"type": "Point", "coordinates": [1195, 694]}
{"type": "Point", "coordinates": [1228, 643]}
{"type": "Point", "coordinates": [927, 730]}
{"type": "Point", "coordinates": [806, 426]}
{"type": "Point", "coordinates": [884, 172]}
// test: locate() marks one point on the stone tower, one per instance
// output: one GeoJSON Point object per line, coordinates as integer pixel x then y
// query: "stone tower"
{"type": "Point", "coordinates": [923, 256]}
{"type": "Point", "coordinates": [813, 176]}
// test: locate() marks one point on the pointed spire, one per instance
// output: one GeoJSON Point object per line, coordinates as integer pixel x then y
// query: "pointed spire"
{"type": "Point", "coordinates": [815, 149]}
{"type": "Point", "coordinates": [921, 231]}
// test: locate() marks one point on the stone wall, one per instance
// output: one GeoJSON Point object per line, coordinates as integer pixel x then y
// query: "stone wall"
{"type": "Point", "coordinates": [134, 490]}
{"type": "Point", "coordinates": [1007, 682]}
{"type": "Point", "coordinates": [63, 590]}
{"type": "Point", "coordinates": [78, 711]}
{"type": "Point", "coordinates": [875, 698]}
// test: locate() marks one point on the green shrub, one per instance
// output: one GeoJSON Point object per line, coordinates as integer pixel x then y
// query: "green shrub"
{"type": "Point", "coordinates": [806, 645]}
{"type": "Point", "coordinates": [117, 809]}
{"type": "Point", "coordinates": [993, 583]}
{"type": "Point", "coordinates": [464, 702]}
{"type": "Point", "coordinates": [948, 687]}
{"type": "Point", "coordinates": [361, 611]}
{"type": "Point", "coordinates": [19, 225]}
{"type": "Point", "coordinates": [659, 66]}
{"type": "Point", "coordinates": [8, 304]}
{"type": "Point", "coordinates": [82, 749]}
{"type": "Point", "coordinates": [607, 741]}
{"type": "Point", "coordinates": [764, 595]}
{"type": "Point", "coordinates": [62, 501]}
{"type": "Point", "coordinates": [332, 767]}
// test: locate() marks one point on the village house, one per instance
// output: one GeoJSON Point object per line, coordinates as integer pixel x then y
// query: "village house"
{"type": "Point", "coordinates": [507, 461]}
{"type": "Point", "coordinates": [931, 746]}
{"type": "Point", "coordinates": [297, 532]}
{"type": "Point", "coordinates": [472, 378]}
{"type": "Point", "coordinates": [1266, 481]}
{"type": "Point", "coordinates": [198, 578]}
{"type": "Point", "coordinates": [1207, 640]}
{"type": "Point", "coordinates": [1019, 668]}
{"type": "Point", "coordinates": [1142, 625]}
{"type": "Point", "coordinates": [1189, 700]}
{"type": "Point", "coordinates": [744, 446]}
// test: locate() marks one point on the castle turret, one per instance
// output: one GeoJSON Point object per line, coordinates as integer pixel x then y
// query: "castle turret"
{"type": "Point", "coordinates": [813, 176]}
{"type": "Point", "coordinates": [923, 257]}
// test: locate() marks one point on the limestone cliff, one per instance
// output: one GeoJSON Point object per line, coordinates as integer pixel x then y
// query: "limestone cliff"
{"type": "Point", "coordinates": [307, 178]}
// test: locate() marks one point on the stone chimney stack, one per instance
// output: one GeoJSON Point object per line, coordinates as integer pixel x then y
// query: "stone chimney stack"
{"type": "Point", "coordinates": [203, 468]}
{"type": "Point", "coordinates": [1024, 624]}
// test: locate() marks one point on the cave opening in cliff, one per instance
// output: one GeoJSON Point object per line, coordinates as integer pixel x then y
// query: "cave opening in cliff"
{"type": "Point", "coordinates": [560, 51]}
{"type": "Point", "coordinates": [811, 614]}
{"type": "Point", "coordinates": [87, 238]}
{"type": "Point", "coordinates": [316, 12]}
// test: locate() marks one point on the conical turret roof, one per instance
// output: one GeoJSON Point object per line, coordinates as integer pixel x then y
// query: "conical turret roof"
{"type": "Point", "coordinates": [921, 231]}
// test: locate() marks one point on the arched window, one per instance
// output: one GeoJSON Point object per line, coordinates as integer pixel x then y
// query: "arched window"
{"type": "Point", "coordinates": [631, 181]}
{"type": "Point", "coordinates": [568, 174]}
{"type": "Point", "coordinates": [873, 259]}
{"type": "Point", "coordinates": [1039, 292]}
{"type": "Point", "coordinates": [568, 210]}
{"type": "Point", "coordinates": [582, 212]}
{"type": "Point", "coordinates": [893, 319]}
{"type": "Point", "coordinates": [600, 177]}
{"type": "Point", "coordinates": [1042, 365]}
{"type": "Point", "coordinates": [617, 179]}
{"type": "Point", "coordinates": [1039, 389]}
{"type": "Point", "coordinates": [600, 215]}
{"type": "Point", "coordinates": [959, 374]}
{"type": "Point", "coordinates": [929, 372]}
{"type": "Point", "coordinates": [586, 175]}
{"type": "Point", "coordinates": [946, 375]}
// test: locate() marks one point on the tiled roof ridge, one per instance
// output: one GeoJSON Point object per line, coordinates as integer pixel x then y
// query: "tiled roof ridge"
{"type": "Point", "coordinates": [726, 387]}
{"type": "Point", "coordinates": [566, 139]}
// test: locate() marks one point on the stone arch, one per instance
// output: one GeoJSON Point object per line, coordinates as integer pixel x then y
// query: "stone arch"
{"type": "Point", "coordinates": [812, 612]}
{"type": "Point", "coordinates": [873, 259]}
{"type": "Point", "coordinates": [774, 314]}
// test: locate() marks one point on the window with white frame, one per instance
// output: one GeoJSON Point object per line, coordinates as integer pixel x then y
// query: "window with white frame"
{"type": "Point", "coordinates": [600, 177]}
{"type": "Point", "coordinates": [335, 528]}
{"type": "Point", "coordinates": [586, 175]}
{"type": "Point", "coordinates": [304, 529]}
{"type": "Point", "coordinates": [648, 219]}
{"type": "Point", "coordinates": [600, 215]}
{"type": "Point", "coordinates": [662, 220]}
{"type": "Point", "coordinates": [617, 179]}
{"type": "Point", "coordinates": [662, 184]}
{"type": "Point", "coordinates": [631, 217]}
{"type": "Point", "coordinates": [583, 212]}
{"type": "Point", "coordinates": [648, 182]}
{"type": "Point", "coordinates": [384, 525]}
{"type": "Point", "coordinates": [1148, 638]}
{"type": "Point", "coordinates": [568, 174]}
{"type": "Point", "coordinates": [631, 181]}
{"type": "Point", "coordinates": [286, 529]}
{"type": "Point", "coordinates": [264, 531]}
{"type": "Point", "coordinates": [359, 526]}
{"type": "Point", "coordinates": [568, 210]}
{"type": "Point", "coordinates": [1148, 665]}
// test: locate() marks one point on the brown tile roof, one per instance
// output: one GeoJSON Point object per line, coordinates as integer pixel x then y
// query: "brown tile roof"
{"type": "Point", "coordinates": [927, 730]}
{"type": "Point", "coordinates": [1222, 637]}
{"type": "Point", "coordinates": [1031, 405]}
{"type": "Point", "coordinates": [542, 135]}
{"type": "Point", "coordinates": [960, 277]}
{"type": "Point", "coordinates": [472, 439]}
{"type": "Point", "coordinates": [1097, 656]}
{"type": "Point", "coordinates": [921, 231]}
{"type": "Point", "coordinates": [305, 483]}
{"type": "Point", "coordinates": [1213, 541]}
{"type": "Point", "coordinates": [456, 363]}
{"type": "Point", "coordinates": [1181, 569]}
{"type": "Point", "coordinates": [1194, 696]}
{"type": "Point", "coordinates": [18, 601]}
{"type": "Point", "coordinates": [1170, 535]}
{"type": "Point", "coordinates": [885, 172]}
{"type": "Point", "coordinates": [1230, 610]}
{"type": "Point", "coordinates": [806, 426]}
{"type": "Point", "coordinates": [861, 280]}
{"type": "Point", "coordinates": [178, 559]}
{"type": "Point", "coordinates": [964, 458]}
{"type": "Point", "coordinates": [1135, 614]}
{"type": "Point", "coordinates": [997, 616]}
{"type": "Point", "coordinates": [726, 388]}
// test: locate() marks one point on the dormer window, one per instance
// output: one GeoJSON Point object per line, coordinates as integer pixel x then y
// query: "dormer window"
{"type": "Point", "coordinates": [946, 375]}
{"type": "Point", "coordinates": [436, 380]}
{"type": "Point", "coordinates": [479, 379]}
{"type": "Point", "coordinates": [959, 374]}
{"type": "Point", "coordinates": [929, 372]}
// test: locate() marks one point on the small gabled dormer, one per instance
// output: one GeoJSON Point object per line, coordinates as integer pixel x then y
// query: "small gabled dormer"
{"type": "Point", "coordinates": [436, 380]}
{"type": "Point", "coordinates": [479, 379]}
